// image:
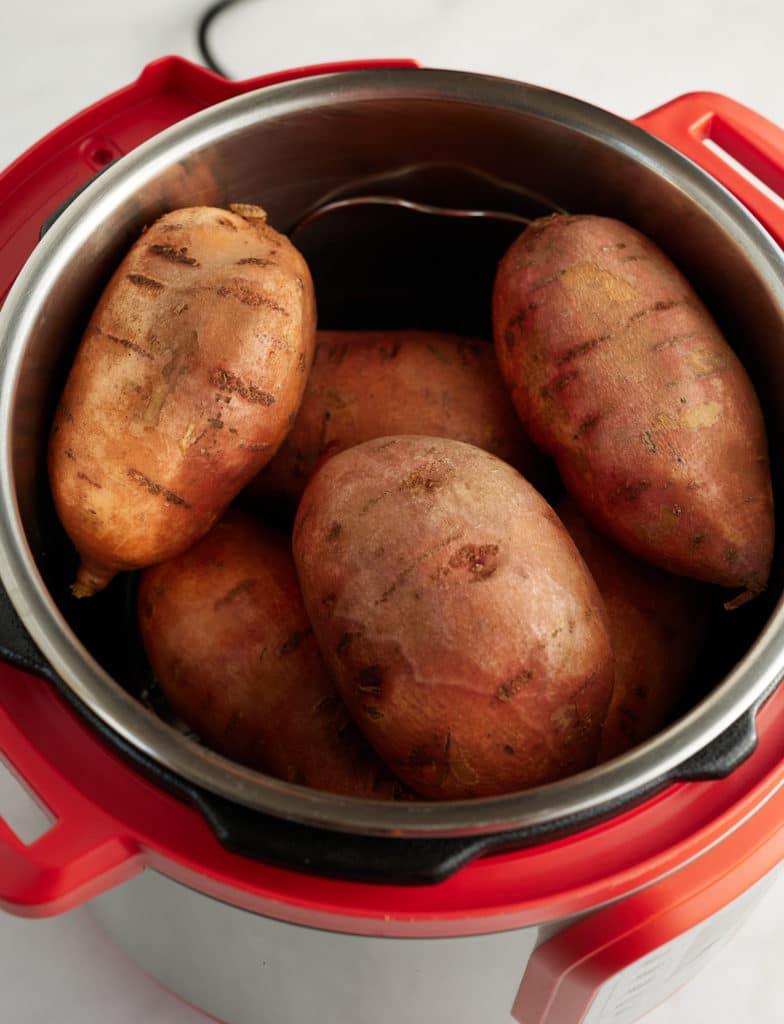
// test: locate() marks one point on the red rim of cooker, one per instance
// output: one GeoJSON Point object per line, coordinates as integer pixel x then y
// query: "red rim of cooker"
{"type": "Point", "coordinates": [113, 823]}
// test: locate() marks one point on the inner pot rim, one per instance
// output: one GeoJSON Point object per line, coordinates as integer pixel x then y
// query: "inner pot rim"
{"type": "Point", "coordinates": [639, 771]}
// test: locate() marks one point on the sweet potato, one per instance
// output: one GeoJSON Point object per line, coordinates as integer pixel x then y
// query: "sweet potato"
{"type": "Point", "coordinates": [459, 622]}
{"type": "Point", "coordinates": [618, 371]}
{"type": "Point", "coordinates": [658, 626]}
{"type": "Point", "coordinates": [229, 642]}
{"type": "Point", "coordinates": [367, 384]}
{"type": "Point", "coordinates": [188, 376]}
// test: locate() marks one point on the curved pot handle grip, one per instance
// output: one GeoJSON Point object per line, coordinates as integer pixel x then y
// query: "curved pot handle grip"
{"type": "Point", "coordinates": [81, 855]}
{"type": "Point", "coordinates": [705, 125]}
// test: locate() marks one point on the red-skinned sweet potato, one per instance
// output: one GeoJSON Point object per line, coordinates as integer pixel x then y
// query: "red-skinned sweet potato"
{"type": "Point", "coordinates": [618, 371]}
{"type": "Point", "coordinates": [460, 624]}
{"type": "Point", "coordinates": [189, 375]}
{"type": "Point", "coordinates": [367, 384]}
{"type": "Point", "coordinates": [226, 634]}
{"type": "Point", "coordinates": [658, 626]}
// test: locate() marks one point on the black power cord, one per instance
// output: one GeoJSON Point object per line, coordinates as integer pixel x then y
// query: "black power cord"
{"type": "Point", "coordinates": [202, 34]}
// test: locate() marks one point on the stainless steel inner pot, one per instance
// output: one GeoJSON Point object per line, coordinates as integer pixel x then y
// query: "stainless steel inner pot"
{"type": "Point", "coordinates": [439, 136]}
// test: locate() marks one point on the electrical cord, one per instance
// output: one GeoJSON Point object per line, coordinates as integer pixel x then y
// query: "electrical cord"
{"type": "Point", "coordinates": [202, 35]}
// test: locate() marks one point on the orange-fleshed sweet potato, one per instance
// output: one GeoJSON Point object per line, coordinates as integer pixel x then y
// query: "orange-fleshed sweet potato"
{"type": "Point", "coordinates": [229, 642]}
{"type": "Point", "coordinates": [458, 619]}
{"type": "Point", "coordinates": [658, 626]}
{"type": "Point", "coordinates": [619, 372]}
{"type": "Point", "coordinates": [189, 375]}
{"type": "Point", "coordinates": [367, 384]}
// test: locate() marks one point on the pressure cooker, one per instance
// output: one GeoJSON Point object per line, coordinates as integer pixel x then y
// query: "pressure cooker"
{"type": "Point", "coordinates": [587, 900]}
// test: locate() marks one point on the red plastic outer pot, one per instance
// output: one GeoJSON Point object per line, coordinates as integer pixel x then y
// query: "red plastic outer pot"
{"type": "Point", "coordinates": [657, 869]}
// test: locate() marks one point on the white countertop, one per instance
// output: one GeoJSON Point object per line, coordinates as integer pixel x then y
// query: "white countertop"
{"type": "Point", "coordinates": [56, 58]}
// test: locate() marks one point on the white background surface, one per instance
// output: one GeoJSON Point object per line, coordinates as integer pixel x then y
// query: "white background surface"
{"type": "Point", "coordinates": [57, 57]}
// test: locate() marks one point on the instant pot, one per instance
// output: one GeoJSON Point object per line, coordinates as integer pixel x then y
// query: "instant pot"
{"type": "Point", "coordinates": [588, 900]}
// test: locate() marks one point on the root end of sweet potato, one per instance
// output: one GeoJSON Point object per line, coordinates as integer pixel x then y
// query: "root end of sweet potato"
{"type": "Point", "coordinates": [89, 582]}
{"type": "Point", "coordinates": [249, 212]}
{"type": "Point", "coordinates": [743, 598]}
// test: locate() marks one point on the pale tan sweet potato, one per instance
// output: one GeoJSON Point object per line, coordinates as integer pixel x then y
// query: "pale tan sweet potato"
{"type": "Point", "coordinates": [367, 384]}
{"type": "Point", "coordinates": [658, 626]}
{"type": "Point", "coordinates": [226, 634]}
{"type": "Point", "coordinates": [458, 619]}
{"type": "Point", "coordinates": [618, 371]}
{"type": "Point", "coordinates": [189, 375]}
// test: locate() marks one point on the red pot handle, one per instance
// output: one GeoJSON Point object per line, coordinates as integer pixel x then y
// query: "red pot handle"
{"type": "Point", "coordinates": [84, 853]}
{"type": "Point", "coordinates": [691, 121]}
{"type": "Point", "coordinates": [168, 90]}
